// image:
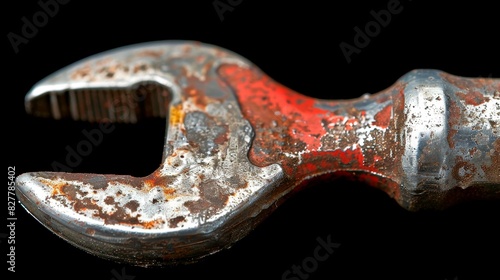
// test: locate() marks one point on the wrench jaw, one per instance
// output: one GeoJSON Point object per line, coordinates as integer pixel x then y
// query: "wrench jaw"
{"type": "Point", "coordinates": [103, 87]}
{"type": "Point", "coordinates": [206, 194]}
{"type": "Point", "coordinates": [112, 217]}
{"type": "Point", "coordinates": [115, 86]}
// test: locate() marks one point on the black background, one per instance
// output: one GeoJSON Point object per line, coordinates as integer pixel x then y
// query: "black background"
{"type": "Point", "coordinates": [297, 44]}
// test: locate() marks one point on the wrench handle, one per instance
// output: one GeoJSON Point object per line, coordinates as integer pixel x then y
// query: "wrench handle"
{"type": "Point", "coordinates": [429, 140]}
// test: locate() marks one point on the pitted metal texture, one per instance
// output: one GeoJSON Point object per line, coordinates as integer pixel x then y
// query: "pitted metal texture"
{"type": "Point", "coordinates": [239, 143]}
{"type": "Point", "coordinates": [206, 178]}
{"type": "Point", "coordinates": [451, 138]}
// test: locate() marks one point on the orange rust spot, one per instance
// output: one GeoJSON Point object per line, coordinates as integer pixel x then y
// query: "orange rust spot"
{"type": "Point", "coordinates": [150, 53]}
{"type": "Point", "coordinates": [149, 183]}
{"type": "Point", "coordinates": [191, 91]}
{"type": "Point", "coordinates": [151, 224]}
{"type": "Point", "coordinates": [155, 180]}
{"type": "Point", "coordinates": [55, 185]}
{"type": "Point", "coordinates": [81, 72]}
{"type": "Point", "coordinates": [197, 97]}
{"type": "Point", "coordinates": [176, 115]}
{"type": "Point", "coordinates": [383, 117]}
{"type": "Point", "coordinates": [169, 193]}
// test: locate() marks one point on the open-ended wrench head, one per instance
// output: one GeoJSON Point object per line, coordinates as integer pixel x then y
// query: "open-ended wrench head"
{"type": "Point", "coordinates": [238, 143]}
{"type": "Point", "coordinates": [205, 187]}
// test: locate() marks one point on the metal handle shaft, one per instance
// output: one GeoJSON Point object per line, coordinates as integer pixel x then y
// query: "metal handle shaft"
{"type": "Point", "coordinates": [429, 140]}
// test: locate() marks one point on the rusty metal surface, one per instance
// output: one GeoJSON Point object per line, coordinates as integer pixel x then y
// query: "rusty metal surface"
{"type": "Point", "coordinates": [238, 143]}
{"type": "Point", "coordinates": [452, 139]}
{"type": "Point", "coordinates": [429, 141]}
{"type": "Point", "coordinates": [206, 181]}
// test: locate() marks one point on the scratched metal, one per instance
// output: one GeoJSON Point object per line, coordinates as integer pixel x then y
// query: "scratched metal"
{"type": "Point", "coordinates": [452, 137]}
{"type": "Point", "coordinates": [430, 140]}
{"type": "Point", "coordinates": [205, 182]}
{"type": "Point", "coordinates": [238, 144]}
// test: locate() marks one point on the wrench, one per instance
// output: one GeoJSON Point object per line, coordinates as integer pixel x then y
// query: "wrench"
{"type": "Point", "coordinates": [238, 144]}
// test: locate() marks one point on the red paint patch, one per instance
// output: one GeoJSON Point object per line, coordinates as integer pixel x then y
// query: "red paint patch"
{"type": "Point", "coordinates": [383, 117]}
{"type": "Point", "coordinates": [333, 161]}
{"type": "Point", "coordinates": [266, 102]}
{"type": "Point", "coordinates": [309, 137]}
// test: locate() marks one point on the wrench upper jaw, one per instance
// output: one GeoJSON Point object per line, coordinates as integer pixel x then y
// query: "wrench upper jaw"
{"type": "Point", "coordinates": [130, 83]}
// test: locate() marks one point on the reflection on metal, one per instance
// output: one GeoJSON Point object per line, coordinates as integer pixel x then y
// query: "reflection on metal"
{"type": "Point", "coordinates": [238, 143]}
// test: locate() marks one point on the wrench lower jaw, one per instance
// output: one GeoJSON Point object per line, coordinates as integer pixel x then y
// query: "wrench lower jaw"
{"type": "Point", "coordinates": [147, 250]}
{"type": "Point", "coordinates": [133, 245]}
{"type": "Point", "coordinates": [150, 250]}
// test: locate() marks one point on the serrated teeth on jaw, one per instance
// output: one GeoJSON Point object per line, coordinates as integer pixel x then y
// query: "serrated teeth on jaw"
{"type": "Point", "coordinates": [123, 105]}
